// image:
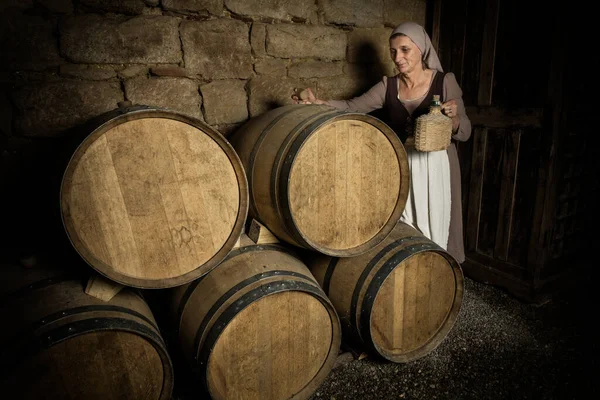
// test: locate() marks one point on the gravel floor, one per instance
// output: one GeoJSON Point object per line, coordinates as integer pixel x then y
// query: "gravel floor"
{"type": "Point", "coordinates": [499, 348]}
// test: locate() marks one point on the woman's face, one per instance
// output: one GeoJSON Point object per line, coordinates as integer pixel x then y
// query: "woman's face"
{"type": "Point", "coordinates": [405, 54]}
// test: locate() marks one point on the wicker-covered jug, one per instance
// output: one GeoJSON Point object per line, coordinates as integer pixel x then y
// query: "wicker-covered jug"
{"type": "Point", "coordinates": [433, 131]}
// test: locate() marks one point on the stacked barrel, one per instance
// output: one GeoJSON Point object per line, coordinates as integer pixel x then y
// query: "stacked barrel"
{"type": "Point", "coordinates": [153, 199]}
{"type": "Point", "coordinates": [336, 183]}
{"type": "Point", "coordinates": [60, 343]}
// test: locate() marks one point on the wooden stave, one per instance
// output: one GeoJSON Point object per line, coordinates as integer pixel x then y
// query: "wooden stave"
{"type": "Point", "coordinates": [354, 306]}
{"type": "Point", "coordinates": [277, 215]}
{"type": "Point", "coordinates": [204, 331]}
{"type": "Point", "coordinates": [100, 125]}
{"type": "Point", "coordinates": [247, 141]}
{"type": "Point", "coordinates": [50, 320]}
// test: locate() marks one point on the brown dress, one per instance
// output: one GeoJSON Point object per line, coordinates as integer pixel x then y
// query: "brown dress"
{"type": "Point", "coordinates": [379, 97]}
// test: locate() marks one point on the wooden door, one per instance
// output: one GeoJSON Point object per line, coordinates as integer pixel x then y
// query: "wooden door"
{"type": "Point", "coordinates": [525, 165]}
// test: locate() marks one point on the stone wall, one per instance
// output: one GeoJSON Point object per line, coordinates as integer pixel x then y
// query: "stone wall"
{"type": "Point", "coordinates": [222, 61]}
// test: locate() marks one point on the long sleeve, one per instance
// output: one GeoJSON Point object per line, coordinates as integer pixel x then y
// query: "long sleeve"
{"type": "Point", "coordinates": [372, 99]}
{"type": "Point", "coordinates": [453, 92]}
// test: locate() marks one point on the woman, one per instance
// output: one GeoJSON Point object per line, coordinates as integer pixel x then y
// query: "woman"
{"type": "Point", "coordinates": [405, 97]}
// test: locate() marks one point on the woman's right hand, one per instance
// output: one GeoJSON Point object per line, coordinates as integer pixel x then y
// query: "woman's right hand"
{"type": "Point", "coordinates": [306, 96]}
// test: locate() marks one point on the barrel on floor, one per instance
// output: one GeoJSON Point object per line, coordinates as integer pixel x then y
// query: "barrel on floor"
{"type": "Point", "coordinates": [58, 342]}
{"type": "Point", "coordinates": [258, 326]}
{"type": "Point", "coordinates": [398, 300]}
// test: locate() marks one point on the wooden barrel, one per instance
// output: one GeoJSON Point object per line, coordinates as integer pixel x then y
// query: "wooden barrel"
{"type": "Point", "coordinates": [400, 299]}
{"type": "Point", "coordinates": [258, 327]}
{"type": "Point", "coordinates": [60, 343]}
{"type": "Point", "coordinates": [152, 198]}
{"type": "Point", "coordinates": [332, 181]}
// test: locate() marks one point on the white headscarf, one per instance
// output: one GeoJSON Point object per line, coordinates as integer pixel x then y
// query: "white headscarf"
{"type": "Point", "coordinates": [417, 34]}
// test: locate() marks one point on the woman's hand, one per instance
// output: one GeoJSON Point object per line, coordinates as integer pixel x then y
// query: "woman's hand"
{"type": "Point", "coordinates": [450, 108]}
{"type": "Point", "coordinates": [306, 96]}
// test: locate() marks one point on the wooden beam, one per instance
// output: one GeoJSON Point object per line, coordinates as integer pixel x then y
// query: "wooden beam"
{"type": "Point", "coordinates": [475, 188]}
{"type": "Point", "coordinates": [543, 220]}
{"type": "Point", "coordinates": [507, 198]}
{"type": "Point", "coordinates": [495, 117]}
{"type": "Point", "coordinates": [488, 53]}
{"type": "Point", "coordinates": [436, 16]}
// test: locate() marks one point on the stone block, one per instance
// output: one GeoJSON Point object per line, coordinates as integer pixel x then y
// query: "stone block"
{"type": "Point", "coordinates": [398, 11]}
{"type": "Point", "coordinates": [170, 70]}
{"type": "Point", "coordinates": [96, 39]}
{"type": "Point", "coordinates": [214, 7]}
{"type": "Point", "coordinates": [276, 9]}
{"type": "Point", "coordinates": [132, 70]}
{"type": "Point", "coordinates": [315, 69]}
{"type": "Point", "coordinates": [27, 42]}
{"type": "Point", "coordinates": [367, 75]}
{"type": "Point", "coordinates": [271, 66]}
{"type": "Point", "coordinates": [15, 4]}
{"type": "Point", "coordinates": [48, 109]}
{"type": "Point", "coordinates": [268, 92]}
{"type": "Point", "coordinates": [152, 11]}
{"type": "Point", "coordinates": [339, 88]}
{"type": "Point", "coordinates": [297, 41]}
{"type": "Point", "coordinates": [258, 37]}
{"type": "Point", "coordinates": [22, 77]}
{"type": "Point", "coordinates": [371, 46]}
{"type": "Point", "coordinates": [59, 6]}
{"type": "Point", "coordinates": [228, 130]}
{"type": "Point", "coordinates": [217, 49]}
{"type": "Point", "coordinates": [225, 102]}
{"type": "Point", "coordinates": [130, 7]}
{"type": "Point", "coordinates": [353, 12]}
{"type": "Point", "coordinates": [89, 72]}
{"type": "Point", "coordinates": [178, 94]}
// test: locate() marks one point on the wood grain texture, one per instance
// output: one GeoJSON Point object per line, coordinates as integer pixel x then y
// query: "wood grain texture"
{"type": "Point", "coordinates": [344, 184]}
{"type": "Point", "coordinates": [66, 343]}
{"type": "Point", "coordinates": [412, 305]}
{"type": "Point", "coordinates": [154, 199]}
{"type": "Point", "coordinates": [102, 288]}
{"type": "Point", "coordinates": [508, 189]}
{"type": "Point", "coordinates": [491, 194]}
{"type": "Point", "coordinates": [315, 172]}
{"type": "Point", "coordinates": [488, 52]}
{"type": "Point", "coordinates": [123, 366]}
{"type": "Point", "coordinates": [398, 300]}
{"type": "Point", "coordinates": [478, 168]}
{"type": "Point", "coordinates": [258, 327]}
{"type": "Point", "coordinates": [292, 332]}
{"type": "Point", "coordinates": [517, 235]}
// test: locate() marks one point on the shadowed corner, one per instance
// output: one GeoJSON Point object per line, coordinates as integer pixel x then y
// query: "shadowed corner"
{"type": "Point", "coordinates": [33, 169]}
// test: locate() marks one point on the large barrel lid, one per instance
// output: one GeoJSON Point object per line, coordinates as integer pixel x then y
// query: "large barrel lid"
{"type": "Point", "coordinates": [106, 364]}
{"type": "Point", "coordinates": [279, 347]}
{"type": "Point", "coordinates": [415, 305]}
{"type": "Point", "coordinates": [348, 183]}
{"type": "Point", "coordinates": [153, 198]}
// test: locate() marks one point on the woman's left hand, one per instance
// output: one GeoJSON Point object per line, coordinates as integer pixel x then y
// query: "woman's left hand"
{"type": "Point", "coordinates": [450, 108]}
